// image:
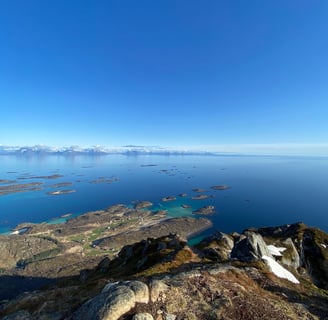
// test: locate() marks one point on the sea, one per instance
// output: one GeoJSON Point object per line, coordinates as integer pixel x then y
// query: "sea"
{"type": "Point", "coordinates": [263, 190]}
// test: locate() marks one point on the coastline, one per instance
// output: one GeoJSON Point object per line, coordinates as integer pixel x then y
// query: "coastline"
{"type": "Point", "coordinates": [241, 205]}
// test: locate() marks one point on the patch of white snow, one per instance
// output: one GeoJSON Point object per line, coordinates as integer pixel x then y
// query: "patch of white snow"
{"type": "Point", "coordinates": [278, 270]}
{"type": "Point", "coordinates": [323, 245]}
{"type": "Point", "coordinates": [276, 251]}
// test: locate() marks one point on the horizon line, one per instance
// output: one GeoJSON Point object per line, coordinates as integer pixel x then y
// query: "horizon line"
{"type": "Point", "coordinates": [291, 149]}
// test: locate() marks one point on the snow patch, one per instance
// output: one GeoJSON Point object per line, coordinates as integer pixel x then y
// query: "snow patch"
{"type": "Point", "coordinates": [276, 251]}
{"type": "Point", "coordinates": [323, 245]}
{"type": "Point", "coordinates": [19, 231]}
{"type": "Point", "coordinates": [278, 270]}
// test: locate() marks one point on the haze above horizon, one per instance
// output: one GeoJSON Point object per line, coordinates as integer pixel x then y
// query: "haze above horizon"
{"type": "Point", "coordinates": [169, 73]}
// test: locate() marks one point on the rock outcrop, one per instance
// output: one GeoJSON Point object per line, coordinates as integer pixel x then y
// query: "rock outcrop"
{"type": "Point", "coordinates": [114, 301]}
{"type": "Point", "coordinates": [17, 250]}
{"type": "Point", "coordinates": [235, 276]}
{"type": "Point", "coordinates": [307, 249]}
{"type": "Point", "coordinates": [315, 256]}
{"type": "Point", "coordinates": [143, 316]}
{"type": "Point", "coordinates": [217, 247]}
{"type": "Point", "coordinates": [213, 292]}
{"type": "Point", "coordinates": [250, 247]}
{"type": "Point", "coordinates": [290, 256]}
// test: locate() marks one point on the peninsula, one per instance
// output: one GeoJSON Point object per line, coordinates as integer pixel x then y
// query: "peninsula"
{"type": "Point", "coordinates": [52, 251]}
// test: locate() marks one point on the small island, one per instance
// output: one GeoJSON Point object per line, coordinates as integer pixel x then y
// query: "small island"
{"type": "Point", "coordinates": [66, 215]}
{"type": "Point", "coordinates": [104, 180]}
{"type": "Point", "coordinates": [21, 187]}
{"type": "Point", "coordinates": [169, 198]}
{"type": "Point", "coordinates": [148, 165]}
{"type": "Point", "coordinates": [5, 181]}
{"type": "Point", "coordinates": [222, 187]}
{"type": "Point", "coordinates": [198, 190]}
{"type": "Point", "coordinates": [206, 210]}
{"type": "Point", "coordinates": [142, 204]}
{"type": "Point", "coordinates": [53, 176]}
{"type": "Point", "coordinates": [61, 184]}
{"type": "Point", "coordinates": [201, 197]}
{"type": "Point", "coordinates": [59, 192]}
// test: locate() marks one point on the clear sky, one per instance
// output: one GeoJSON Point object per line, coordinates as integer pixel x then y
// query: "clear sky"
{"type": "Point", "coordinates": [164, 72]}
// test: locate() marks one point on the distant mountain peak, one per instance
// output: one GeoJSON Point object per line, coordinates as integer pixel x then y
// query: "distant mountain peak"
{"type": "Point", "coordinates": [96, 149]}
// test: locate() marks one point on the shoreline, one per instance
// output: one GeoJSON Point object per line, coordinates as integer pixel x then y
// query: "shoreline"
{"type": "Point", "coordinates": [238, 207]}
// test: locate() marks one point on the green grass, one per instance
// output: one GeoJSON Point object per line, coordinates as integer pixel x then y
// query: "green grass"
{"type": "Point", "coordinates": [77, 238]}
{"type": "Point", "coordinates": [95, 233]}
{"type": "Point", "coordinates": [38, 257]}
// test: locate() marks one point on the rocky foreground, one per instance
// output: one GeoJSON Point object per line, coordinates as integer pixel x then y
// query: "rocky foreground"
{"type": "Point", "coordinates": [267, 273]}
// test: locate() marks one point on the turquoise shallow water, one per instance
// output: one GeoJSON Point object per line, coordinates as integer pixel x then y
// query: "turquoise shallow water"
{"type": "Point", "coordinates": [264, 190]}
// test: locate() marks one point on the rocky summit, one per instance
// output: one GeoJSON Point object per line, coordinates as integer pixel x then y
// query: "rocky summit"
{"type": "Point", "coordinates": [262, 273]}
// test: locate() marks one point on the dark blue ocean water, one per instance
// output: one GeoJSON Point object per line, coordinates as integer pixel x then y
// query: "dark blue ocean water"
{"type": "Point", "coordinates": [264, 190]}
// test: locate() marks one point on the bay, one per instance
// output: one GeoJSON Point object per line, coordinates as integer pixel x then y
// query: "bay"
{"type": "Point", "coordinates": [264, 190]}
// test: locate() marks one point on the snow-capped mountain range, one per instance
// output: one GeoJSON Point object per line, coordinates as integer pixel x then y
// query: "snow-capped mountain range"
{"type": "Point", "coordinates": [72, 150]}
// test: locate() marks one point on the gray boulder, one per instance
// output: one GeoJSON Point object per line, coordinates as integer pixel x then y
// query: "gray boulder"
{"type": "Point", "coordinates": [140, 291]}
{"type": "Point", "coordinates": [218, 247]}
{"type": "Point", "coordinates": [290, 256]}
{"type": "Point", "coordinates": [157, 289]}
{"type": "Point", "coordinates": [142, 316]}
{"type": "Point", "coordinates": [250, 247]}
{"type": "Point", "coordinates": [115, 300]}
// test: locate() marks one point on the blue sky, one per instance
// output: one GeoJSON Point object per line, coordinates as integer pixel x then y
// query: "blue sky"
{"type": "Point", "coordinates": [169, 73]}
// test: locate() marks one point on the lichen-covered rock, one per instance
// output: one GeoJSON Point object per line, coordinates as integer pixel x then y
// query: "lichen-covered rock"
{"type": "Point", "coordinates": [108, 305]}
{"type": "Point", "coordinates": [140, 290]}
{"type": "Point", "coordinates": [218, 247]}
{"type": "Point", "coordinates": [157, 289]}
{"type": "Point", "coordinates": [143, 316]}
{"type": "Point", "coordinates": [290, 256]}
{"type": "Point", "coordinates": [250, 247]}
{"type": "Point", "coordinates": [115, 300]}
{"type": "Point", "coordinates": [108, 286]}
{"type": "Point", "coordinates": [222, 268]}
